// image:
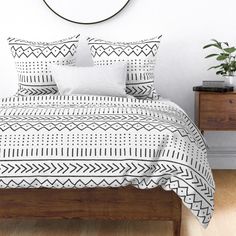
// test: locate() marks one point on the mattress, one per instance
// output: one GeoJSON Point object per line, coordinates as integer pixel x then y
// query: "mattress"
{"type": "Point", "coordinates": [94, 141]}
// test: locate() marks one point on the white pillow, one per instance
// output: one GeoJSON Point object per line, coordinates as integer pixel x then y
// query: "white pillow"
{"type": "Point", "coordinates": [109, 80]}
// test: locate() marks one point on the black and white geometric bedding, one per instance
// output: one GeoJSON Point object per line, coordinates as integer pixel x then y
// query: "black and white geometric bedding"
{"type": "Point", "coordinates": [90, 141]}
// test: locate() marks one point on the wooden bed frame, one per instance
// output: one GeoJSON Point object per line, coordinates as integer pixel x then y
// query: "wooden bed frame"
{"type": "Point", "coordinates": [126, 203]}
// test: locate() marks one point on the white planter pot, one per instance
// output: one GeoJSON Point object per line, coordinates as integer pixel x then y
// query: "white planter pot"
{"type": "Point", "coordinates": [230, 81]}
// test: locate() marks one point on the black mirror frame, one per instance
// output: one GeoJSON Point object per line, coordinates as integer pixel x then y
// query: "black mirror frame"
{"type": "Point", "coordinates": [86, 23]}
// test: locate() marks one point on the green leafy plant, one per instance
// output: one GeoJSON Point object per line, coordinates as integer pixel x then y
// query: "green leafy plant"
{"type": "Point", "coordinates": [225, 56]}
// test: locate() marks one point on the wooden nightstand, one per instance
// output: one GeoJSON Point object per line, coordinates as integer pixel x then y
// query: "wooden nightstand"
{"type": "Point", "coordinates": [215, 111]}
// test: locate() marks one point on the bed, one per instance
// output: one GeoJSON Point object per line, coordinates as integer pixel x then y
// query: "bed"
{"type": "Point", "coordinates": [101, 157]}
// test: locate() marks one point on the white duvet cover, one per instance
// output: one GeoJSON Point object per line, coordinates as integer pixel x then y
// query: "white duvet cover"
{"type": "Point", "coordinates": [91, 141]}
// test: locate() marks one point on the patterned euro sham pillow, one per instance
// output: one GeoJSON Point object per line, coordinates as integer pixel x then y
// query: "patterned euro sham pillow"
{"type": "Point", "coordinates": [33, 58]}
{"type": "Point", "coordinates": [140, 57]}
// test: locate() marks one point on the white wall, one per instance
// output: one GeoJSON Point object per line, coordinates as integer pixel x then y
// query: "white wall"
{"type": "Point", "coordinates": [186, 26]}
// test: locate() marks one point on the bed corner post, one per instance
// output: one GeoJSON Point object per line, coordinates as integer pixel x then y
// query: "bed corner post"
{"type": "Point", "coordinates": [177, 221]}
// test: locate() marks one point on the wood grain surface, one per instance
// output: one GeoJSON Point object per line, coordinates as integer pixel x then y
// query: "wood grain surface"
{"type": "Point", "coordinates": [126, 203]}
{"type": "Point", "coordinates": [215, 111]}
{"type": "Point", "coordinates": [222, 224]}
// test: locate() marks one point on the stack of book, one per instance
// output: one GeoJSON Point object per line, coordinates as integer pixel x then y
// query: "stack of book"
{"type": "Point", "coordinates": [213, 86]}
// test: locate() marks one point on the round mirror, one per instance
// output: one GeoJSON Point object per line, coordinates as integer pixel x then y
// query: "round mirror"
{"type": "Point", "coordinates": [86, 11]}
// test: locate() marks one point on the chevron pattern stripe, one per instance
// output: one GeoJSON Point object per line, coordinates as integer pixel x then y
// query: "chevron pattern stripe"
{"type": "Point", "coordinates": [33, 91]}
{"type": "Point", "coordinates": [140, 57]}
{"type": "Point", "coordinates": [33, 58]}
{"type": "Point", "coordinates": [74, 141]}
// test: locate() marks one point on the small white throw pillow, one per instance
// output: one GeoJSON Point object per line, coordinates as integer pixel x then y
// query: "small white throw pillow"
{"type": "Point", "coordinates": [107, 80]}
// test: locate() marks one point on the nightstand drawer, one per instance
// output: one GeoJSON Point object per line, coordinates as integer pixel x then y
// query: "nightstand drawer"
{"type": "Point", "coordinates": [217, 121]}
{"type": "Point", "coordinates": [218, 102]}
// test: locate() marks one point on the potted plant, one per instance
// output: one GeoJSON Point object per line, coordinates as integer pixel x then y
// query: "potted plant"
{"type": "Point", "coordinates": [226, 56]}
